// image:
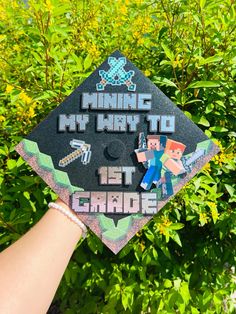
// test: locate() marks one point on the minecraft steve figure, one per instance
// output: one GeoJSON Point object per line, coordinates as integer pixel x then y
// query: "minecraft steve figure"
{"type": "Point", "coordinates": [172, 165]}
{"type": "Point", "coordinates": [151, 155]}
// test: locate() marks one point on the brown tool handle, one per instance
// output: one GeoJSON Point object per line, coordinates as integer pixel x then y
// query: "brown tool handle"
{"type": "Point", "coordinates": [69, 158]}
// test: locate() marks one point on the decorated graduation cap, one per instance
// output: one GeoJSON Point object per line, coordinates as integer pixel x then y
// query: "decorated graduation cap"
{"type": "Point", "coordinates": [116, 150]}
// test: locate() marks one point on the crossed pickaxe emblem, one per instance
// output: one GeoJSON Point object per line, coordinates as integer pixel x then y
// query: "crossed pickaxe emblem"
{"type": "Point", "coordinates": [116, 75]}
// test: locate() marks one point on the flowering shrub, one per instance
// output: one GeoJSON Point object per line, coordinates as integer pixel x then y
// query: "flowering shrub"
{"type": "Point", "coordinates": [183, 261]}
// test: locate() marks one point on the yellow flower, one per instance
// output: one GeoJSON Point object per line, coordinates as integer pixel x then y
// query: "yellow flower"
{"type": "Point", "coordinates": [126, 52]}
{"type": "Point", "coordinates": [2, 118]}
{"type": "Point", "coordinates": [14, 4]}
{"type": "Point", "coordinates": [118, 22]}
{"type": "Point", "coordinates": [222, 158]}
{"type": "Point", "coordinates": [147, 72]}
{"type": "Point", "coordinates": [214, 214]}
{"type": "Point", "coordinates": [25, 113]}
{"type": "Point", "coordinates": [94, 24]}
{"type": "Point", "coordinates": [214, 211]}
{"type": "Point", "coordinates": [163, 230]}
{"type": "Point", "coordinates": [203, 219]}
{"type": "Point", "coordinates": [20, 112]}
{"type": "Point", "coordinates": [123, 9]}
{"type": "Point", "coordinates": [207, 167]}
{"type": "Point", "coordinates": [31, 112]}
{"type": "Point", "coordinates": [83, 44]}
{"type": "Point", "coordinates": [25, 97]}
{"type": "Point", "coordinates": [93, 51]}
{"type": "Point", "coordinates": [147, 20]}
{"type": "Point", "coordinates": [2, 13]}
{"type": "Point", "coordinates": [140, 41]}
{"type": "Point", "coordinates": [49, 5]}
{"type": "Point", "coordinates": [163, 226]}
{"type": "Point", "coordinates": [136, 35]}
{"type": "Point", "coordinates": [142, 246]}
{"type": "Point", "coordinates": [138, 21]}
{"type": "Point", "coordinates": [167, 222]}
{"type": "Point", "coordinates": [217, 142]}
{"type": "Point", "coordinates": [9, 88]}
{"type": "Point", "coordinates": [212, 205]}
{"type": "Point", "coordinates": [16, 48]}
{"type": "Point", "coordinates": [139, 234]}
{"type": "Point", "coordinates": [2, 37]}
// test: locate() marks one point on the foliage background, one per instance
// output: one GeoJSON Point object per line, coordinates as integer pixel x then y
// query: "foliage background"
{"type": "Point", "coordinates": [183, 261]}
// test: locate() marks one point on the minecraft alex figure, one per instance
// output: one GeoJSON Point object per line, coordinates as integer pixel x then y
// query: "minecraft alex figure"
{"type": "Point", "coordinates": [150, 156]}
{"type": "Point", "coordinates": [172, 165]}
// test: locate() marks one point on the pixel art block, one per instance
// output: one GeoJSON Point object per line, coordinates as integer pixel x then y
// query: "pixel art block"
{"type": "Point", "coordinates": [116, 150]}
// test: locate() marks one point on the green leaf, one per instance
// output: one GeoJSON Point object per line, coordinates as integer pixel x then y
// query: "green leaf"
{"type": "Point", "coordinates": [125, 250]}
{"type": "Point", "coordinates": [95, 244]}
{"type": "Point", "coordinates": [163, 62]}
{"type": "Point", "coordinates": [174, 300]}
{"type": "Point", "coordinates": [208, 133]}
{"type": "Point", "coordinates": [218, 129]}
{"type": "Point", "coordinates": [163, 247]}
{"type": "Point", "coordinates": [127, 297]}
{"type": "Point", "coordinates": [146, 300]}
{"type": "Point", "coordinates": [184, 291]}
{"type": "Point", "coordinates": [197, 183]}
{"type": "Point", "coordinates": [11, 163]}
{"type": "Point", "coordinates": [188, 114]}
{"type": "Point", "coordinates": [230, 189]}
{"type": "Point", "coordinates": [197, 19]}
{"type": "Point", "coordinates": [5, 239]}
{"type": "Point", "coordinates": [67, 276]}
{"type": "Point", "coordinates": [164, 81]}
{"type": "Point", "coordinates": [154, 253]}
{"type": "Point", "coordinates": [209, 108]}
{"type": "Point", "coordinates": [146, 257]}
{"type": "Point", "coordinates": [176, 226]}
{"type": "Point", "coordinates": [78, 62]}
{"type": "Point", "coordinates": [194, 310]}
{"type": "Point", "coordinates": [174, 236]}
{"type": "Point", "coordinates": [200, 120]}
{"type": "Point", "coordinates": [87, 62]}
{"type": "Point", "coordinates": [200, 84]}
{"type": "Point", "coordinates": [207, 297]}
{"type": "Point", "coordinates": [37, 57]}
{"type": "Point", "coordinates": [168, 52]}
{"type": "Point", "coordinates": [202, 4]}
{"type": "Point", "coordinates": [20, 162]}
{"type": "Point", "coordinates": [217, 298]}
{"type": "Point", "coordinates": [149, 235]}
{"type": "Point", "coordinates": [4, 151]}
{"type": "Point", "coordinates": [167, 283]}
{"type": "Point", "coordinates": [212, 59]}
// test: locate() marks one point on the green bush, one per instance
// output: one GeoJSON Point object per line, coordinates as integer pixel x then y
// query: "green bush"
{"type": "Point", "coordinates": [183, 260]}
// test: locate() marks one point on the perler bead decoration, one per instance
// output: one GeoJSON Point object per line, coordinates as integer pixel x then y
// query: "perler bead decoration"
{"type": "Point", "coordinates": [116, 75]}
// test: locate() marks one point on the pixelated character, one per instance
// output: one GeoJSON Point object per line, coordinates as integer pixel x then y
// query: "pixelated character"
{"type": "Point", "coordinates": [172, 165]}
{"type": "Point", "coordinates": [116, 75]}
{"type": "Point", "coordinates": [150, 157]}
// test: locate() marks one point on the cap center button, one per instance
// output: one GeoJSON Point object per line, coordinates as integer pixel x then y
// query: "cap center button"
{"type": "Point", "coordinates": [115, 149]}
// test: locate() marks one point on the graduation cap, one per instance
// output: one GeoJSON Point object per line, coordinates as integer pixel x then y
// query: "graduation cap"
{"type": "Point", "coordinates": [116, 150]}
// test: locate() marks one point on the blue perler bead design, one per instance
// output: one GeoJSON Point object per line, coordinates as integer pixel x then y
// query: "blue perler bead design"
{"type": "Point", "coordinates": [116, 75]}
